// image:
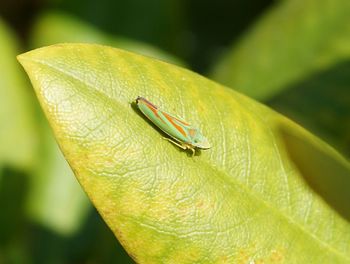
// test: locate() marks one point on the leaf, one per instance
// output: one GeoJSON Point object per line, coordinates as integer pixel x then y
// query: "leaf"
{"type": "Point", "coordinates": [294, 40]}
{"type": "Point", "coordinates": [53, 185]}
{"type": "Point", "coordinates": [18, 139]}
{"type": "Point", "coordinates": [267, 191]}
{"type": "Point", "coordinates": [55, 27]}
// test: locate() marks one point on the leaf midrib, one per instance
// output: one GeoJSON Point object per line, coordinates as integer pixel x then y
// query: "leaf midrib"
{"type": "Point", "coordinates": [223, 173]}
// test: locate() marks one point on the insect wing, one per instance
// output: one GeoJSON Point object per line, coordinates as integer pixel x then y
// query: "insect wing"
{"type": "Point", "coordinates": [173, 126]}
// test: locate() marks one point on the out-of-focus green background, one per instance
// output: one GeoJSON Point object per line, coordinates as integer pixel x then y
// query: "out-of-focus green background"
{"type": "Point", "coordinates": [293, 55]}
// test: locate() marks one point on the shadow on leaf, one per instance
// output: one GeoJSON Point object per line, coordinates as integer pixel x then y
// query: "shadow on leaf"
{"type": "Point", "coordinates": [327, 175]}
{"type": "Point", "coordinates": [321, 103]}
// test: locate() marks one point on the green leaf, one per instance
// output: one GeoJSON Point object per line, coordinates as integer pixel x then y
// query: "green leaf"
{"type": "Point", "coordinates": [267, 191]}
{"type": "Point", "coordinates": [295, 39]}
{"type": "Point", "coordinates": [53, 186]}
{"type": "Point", "coordinates": [18, 138]}
{"type": "Point", "coordinates": [56, 27]}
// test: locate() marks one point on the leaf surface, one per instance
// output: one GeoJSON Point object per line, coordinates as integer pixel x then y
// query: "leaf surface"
{"type": "Point", "coordinates": [266, 191]}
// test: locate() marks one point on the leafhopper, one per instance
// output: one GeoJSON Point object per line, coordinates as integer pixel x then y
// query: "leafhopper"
{"type": "Point", "coordinates": [181, 132]}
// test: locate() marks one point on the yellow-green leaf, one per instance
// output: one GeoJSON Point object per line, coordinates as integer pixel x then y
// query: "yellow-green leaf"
{"type": "Point", "coordinates": [267, 191]}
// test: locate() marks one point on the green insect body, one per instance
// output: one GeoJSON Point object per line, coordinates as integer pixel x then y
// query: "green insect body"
{"type": "Point", "coordinates": [181, 132]}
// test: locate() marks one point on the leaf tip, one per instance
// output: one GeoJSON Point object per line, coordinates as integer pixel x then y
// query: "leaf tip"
{"type": "Point", "coordinates": [31, 55]}
{"type": "Point", "coordinates": [21, 58]}
{"type": "Point", "coordinates": [25, 59]}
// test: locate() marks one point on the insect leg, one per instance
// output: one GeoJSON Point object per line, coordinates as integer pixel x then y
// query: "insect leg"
{"type": "Point", "coordinates": [181, 145]}
{"type": "Point", "coordinates": [193, 151]}
{"type": "Point", "coordinates": [175, 143]}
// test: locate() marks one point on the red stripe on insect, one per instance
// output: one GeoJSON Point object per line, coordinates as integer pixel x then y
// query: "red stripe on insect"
{"type": "Point", "coordinates": [155, 111]}
{"type": "Point", "coordinates": [180, 121]}
{"type": "Point", "coordinates": [148, 103]}
{"type": "Point", "coordinates": [170, 119]}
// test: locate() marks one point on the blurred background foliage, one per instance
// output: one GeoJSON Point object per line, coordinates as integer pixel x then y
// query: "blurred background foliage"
{"type": "Point", "coordinates": [293, 55]}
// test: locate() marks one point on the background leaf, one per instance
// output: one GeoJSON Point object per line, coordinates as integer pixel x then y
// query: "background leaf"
{"type": "Point", "coordinates": [45, 185]}
{"type": "Point", "coordinates": [18, 148]}
{"type": "Point", "coordinates": [55, 198]}
{"type": "Point", "coordinates": [17, 118]}
{"type": "Point", "coordinates": [156, 21]}
{"type": "Point", "coordinates": [291, 42]}
{"type": "Point", "coordinates": [55, 27]}
{"type": "Point", "coordinates": [249, 198]}
{"type": "Point", "coordinates": [322, 104]}
{"type": "Point", "coordinates": [295, 59]}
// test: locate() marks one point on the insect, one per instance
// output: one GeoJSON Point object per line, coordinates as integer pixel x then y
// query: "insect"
{"type": "Point", "coordinates": [182, 133]}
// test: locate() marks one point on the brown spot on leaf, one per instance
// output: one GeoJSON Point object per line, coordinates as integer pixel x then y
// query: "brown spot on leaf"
{"type": "Point", "coordinates": [243, 257]}
{"type": "Point", "coordinates": [277, 256]}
